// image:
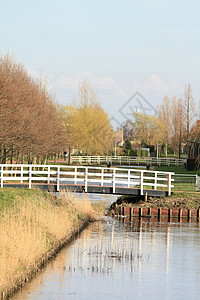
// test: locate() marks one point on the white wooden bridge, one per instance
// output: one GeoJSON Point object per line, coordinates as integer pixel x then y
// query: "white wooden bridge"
{"type": "Point", "coordinates": [126, 160]}
{"type": "Point", "coordinates": [121, 181]}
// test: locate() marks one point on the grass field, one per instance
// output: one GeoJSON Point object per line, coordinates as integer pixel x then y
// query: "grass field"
{"type": "Point", "coordinates": [177, 170]}
{"type": "Point", "coordinates": [181, 183]}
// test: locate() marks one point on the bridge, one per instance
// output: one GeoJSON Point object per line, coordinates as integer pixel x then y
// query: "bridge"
{"type": "Point", "coordinates": [126, 160]}
{"type": "Point", "coordinates": [120, 181]}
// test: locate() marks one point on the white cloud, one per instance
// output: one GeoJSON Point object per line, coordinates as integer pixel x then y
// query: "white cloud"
{"type": "Point", "coordinates": [111, 95]}
{"type": "Point", "coordinates": [72, 80]}
{"type": "Point", "coordinates": [109, 92]}
{"type": "Point", "coordinates": [155, 86]}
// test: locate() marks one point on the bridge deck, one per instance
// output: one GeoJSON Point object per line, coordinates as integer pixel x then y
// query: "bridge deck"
{"type": "Point", "coordinates": [96, 189]}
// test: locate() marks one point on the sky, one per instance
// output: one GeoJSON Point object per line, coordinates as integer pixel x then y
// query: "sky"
{"type": "Point", "coordinates": [132, 52]}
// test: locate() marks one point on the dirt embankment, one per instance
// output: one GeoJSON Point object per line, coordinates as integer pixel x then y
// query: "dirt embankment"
{"type": "Point", "coordinates": [177, 200]}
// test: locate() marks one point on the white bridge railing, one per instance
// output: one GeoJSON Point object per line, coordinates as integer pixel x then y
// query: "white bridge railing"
{"type": "Point", "coordinates": [85, 176]}
{"type": "Point", "coordinates": [129, 160]}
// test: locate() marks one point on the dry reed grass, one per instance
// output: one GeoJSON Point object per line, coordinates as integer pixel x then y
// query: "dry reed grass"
{"type": "Point", "coordinates": [32, 227]}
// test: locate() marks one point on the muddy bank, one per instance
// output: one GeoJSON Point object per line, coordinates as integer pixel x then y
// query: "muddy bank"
{"type": "Point", "coordinates": [181, 207]}
{"type": "Point", "coordinates": [178, 200]}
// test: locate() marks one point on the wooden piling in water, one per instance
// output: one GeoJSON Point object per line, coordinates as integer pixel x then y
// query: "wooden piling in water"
{"type": "Point", "coordinates": [160, 213]}
{"type": "Point", "coordinates": [180, 215]}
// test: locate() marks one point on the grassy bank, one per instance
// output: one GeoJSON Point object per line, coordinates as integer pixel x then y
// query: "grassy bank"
{"type": "Point", "coordinates": [33, 226]}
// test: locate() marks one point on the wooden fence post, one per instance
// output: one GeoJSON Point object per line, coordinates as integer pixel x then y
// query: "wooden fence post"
{"type": "Point", "coordinates": [48, 175]}
{"type": "Point", "coordinates": [86, 179]}
{"type": "Point", "coordinates": [1, 176]}
{"type": "Point", "coordinates": [141, 183]}
{"type": "Point", "coordinates": [113, 181]}
{"type": "Point", "coordinates": [30, 174]}
{"type": "Point", "coordinates": [155, 181]}
{"type": "Point", "coordinates": [169, 184]}
{"type": "Point", "coordinates": [75, 175]}
{"type": "Point", "coordinates": [58, 179]}
{"type": "Point", "coordinates": [129, 178]}
{"type": "Point", "coordinates": [22, 166]}
{"type": "Point", "coordinates": [102, 173]}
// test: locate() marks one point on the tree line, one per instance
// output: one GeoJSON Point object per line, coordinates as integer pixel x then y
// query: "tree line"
{"type": "Point", "coordinates": [173, 127]}
{"type": "Point", "coordinates": [34, 127]}
{"type": "Point", "coordinates": [30, 126]}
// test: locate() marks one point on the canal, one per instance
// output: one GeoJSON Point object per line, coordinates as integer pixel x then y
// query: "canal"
{"type": "Point", "coordinates": [119, 259]}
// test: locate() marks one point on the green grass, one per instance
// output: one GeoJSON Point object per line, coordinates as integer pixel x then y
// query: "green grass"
{"type": "Point", "coordinates": [185, 195]}
{"type": "Point", "coordinates": [9, 195]}
{"type": "Point", "coordinates": [185, 186]}
{"type": "Point", "coordinates": [177, 170]}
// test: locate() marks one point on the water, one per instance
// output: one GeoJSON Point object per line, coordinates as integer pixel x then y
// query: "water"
{"type": "Point", "coordinates": [118, 259]}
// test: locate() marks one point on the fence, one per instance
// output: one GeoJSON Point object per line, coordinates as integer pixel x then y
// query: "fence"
{"type": "Point", "coordinates": [129, 160]}
{"type": "Point", "coordinates": [186, 182]}
{"type": "Point", "coordinates": [79, 175]}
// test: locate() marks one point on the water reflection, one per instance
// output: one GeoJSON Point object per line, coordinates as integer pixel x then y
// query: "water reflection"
{"type": "Point", "coordinates": [119, 259]}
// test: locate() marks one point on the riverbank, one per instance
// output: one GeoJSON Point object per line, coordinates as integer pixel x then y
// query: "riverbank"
{"type": "Point", "coordinates": [178, 200]}
{"type": "Point", "coordinates": [34, 226]}
{"type": "Point", "coordinates": [179, 206]}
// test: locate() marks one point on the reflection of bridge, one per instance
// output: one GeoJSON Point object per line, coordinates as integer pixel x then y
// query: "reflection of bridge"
{"type": "Point", "coordinates": [126, 160]}
{"type": "Point", "coordinates": [119, 181]}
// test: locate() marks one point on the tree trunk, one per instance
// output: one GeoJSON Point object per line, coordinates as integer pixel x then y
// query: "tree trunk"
{"type": "Point", "coordinates": [166, 150]}
{"type": "Point", "coordinates": [69, 157]}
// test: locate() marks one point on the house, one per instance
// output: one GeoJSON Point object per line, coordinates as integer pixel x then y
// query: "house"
{"type": "Point", "coordinates": [118, 137]}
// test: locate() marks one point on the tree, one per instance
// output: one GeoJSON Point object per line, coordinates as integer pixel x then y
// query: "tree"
{"type": "Point", "coordinates": [178, 128]}
{"type": "Point", "coordinates": [86, 124]}
{"type": "Point", "coordinates": [148, 129]}
{"type": "Point", "coordinates": [128, 129]}
{"type": "Point", "coordinates": [188, 109]}
{"type": "Point", "coordinates": [30, 123]}
{"type": "Point", "coordinates": [164, 114]}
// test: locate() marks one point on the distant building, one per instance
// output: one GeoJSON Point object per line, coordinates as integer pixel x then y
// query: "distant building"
{"type": "Point", "coordinates": [118, 137]}
{"type": "Point", "coordinates": [136, 146]}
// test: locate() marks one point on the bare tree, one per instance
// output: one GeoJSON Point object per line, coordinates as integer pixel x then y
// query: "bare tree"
{"type": "Point", "coordinates": [30, 123]}
{"type": "Point", "coordinates": [188, 109]}
{"type": "Point", "coordinates": [164, 114]}
{"type": "Point", "coordinates": [178, 126]}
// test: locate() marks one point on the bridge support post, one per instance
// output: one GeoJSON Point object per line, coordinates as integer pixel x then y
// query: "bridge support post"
{"type": "Point", "coordinates": [145, 198]}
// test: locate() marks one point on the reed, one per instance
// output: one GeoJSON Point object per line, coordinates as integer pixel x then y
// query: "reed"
{"type": "Point", "coordinates": [33, 225]}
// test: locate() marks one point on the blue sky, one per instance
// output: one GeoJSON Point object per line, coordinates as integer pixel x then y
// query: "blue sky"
{"type": "Point", "coordinates": [120, 47]}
